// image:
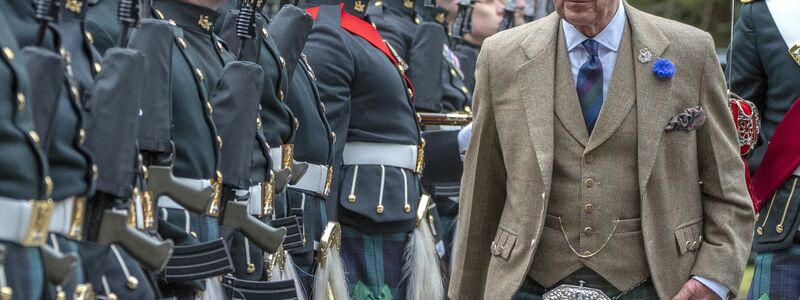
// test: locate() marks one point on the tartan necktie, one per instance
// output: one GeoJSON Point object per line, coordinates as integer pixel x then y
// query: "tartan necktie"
{"type": "Point", "coordinates": [590, 85]}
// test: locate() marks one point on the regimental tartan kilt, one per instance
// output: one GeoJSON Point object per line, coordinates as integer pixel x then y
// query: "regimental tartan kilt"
{"type": "Point", "coordinates": [777, 275]}
{"type": "Point", "coordinates": [24, 271]}
{"type": "Point", "coordinates": [374, 264]}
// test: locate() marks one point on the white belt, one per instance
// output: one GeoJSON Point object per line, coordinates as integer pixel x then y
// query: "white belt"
{"type": "Point", "coordinates": [315, 180]}
{"type": "Point", "coordinates": [64, 211]}
{"type": "Point", "coordinates": [25, 222]}
{"type": "Point", "coordinates": [166, 202]}
{"type": "Point", "coordinates": [253, 199]}
{"type": "Point", "coordinates": [360, 153]}
{"type": "Point", "coordinates": [277, 157]}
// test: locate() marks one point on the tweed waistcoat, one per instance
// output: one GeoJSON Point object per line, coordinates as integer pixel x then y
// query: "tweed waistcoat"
{"type": "Point", "coordinates": [595, 191]}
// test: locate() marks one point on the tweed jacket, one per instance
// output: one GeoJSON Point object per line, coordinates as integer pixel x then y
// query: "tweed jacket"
{"type": "Point", "coordinates": [696, 215]}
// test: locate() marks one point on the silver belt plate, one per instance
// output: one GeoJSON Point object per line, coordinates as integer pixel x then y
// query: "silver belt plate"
{"type": "Point", "coordinates": [574, 292]}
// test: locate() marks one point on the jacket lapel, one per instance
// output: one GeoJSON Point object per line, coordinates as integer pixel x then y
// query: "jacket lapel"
{"type": "Point", "coordinates": [567, 105]}
{"type": "Point", "coordinates": [535, 85]}
{"type": "Point", "coordinates": [620, 98]}
{"type": "Point", "coordinates": [652, 94]}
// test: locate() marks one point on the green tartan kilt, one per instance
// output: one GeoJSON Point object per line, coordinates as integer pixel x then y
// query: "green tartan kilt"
{"type": "Point", "coordinates": [374, 264]}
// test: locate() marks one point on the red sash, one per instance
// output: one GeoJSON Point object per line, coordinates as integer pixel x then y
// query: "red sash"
{"type": "Point", "coordinates": [782, 157]}
{"type": "Point", "coordinates": [366, 31]}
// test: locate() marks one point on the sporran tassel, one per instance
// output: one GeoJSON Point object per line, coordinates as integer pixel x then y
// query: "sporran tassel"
{"type": "Point", "coordinates": [330, 281]}
{"type": "Point", "coordinates": [421, 269]}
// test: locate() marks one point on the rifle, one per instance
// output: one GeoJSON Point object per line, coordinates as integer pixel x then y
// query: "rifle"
{"type": "Point", "coordinates": [530, 10]}
{"type": "Point", "coordinates": [128, 15]}
{"type": "Point", "coordinates": [234, 116]}
{"type": "Point", "coordinates": [47, 11]}
{"type": "Point", "coordinates": [508, 16]}
{"type": "Point", "coordinates": [151, 253]}
{"type": "Point", "coordinates": [445, 119]}
{"type": "Point", "coordinates": [58, 266]}
{"type": "Point", "coordinates": [463, 22]}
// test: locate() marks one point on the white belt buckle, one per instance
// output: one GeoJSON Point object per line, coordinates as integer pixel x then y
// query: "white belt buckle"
{"type": "Point", "coordinates": [572, 292]}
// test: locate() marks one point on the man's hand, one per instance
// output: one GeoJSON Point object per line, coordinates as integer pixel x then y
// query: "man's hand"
{"type": "Point", "coordinates": [694, 290]}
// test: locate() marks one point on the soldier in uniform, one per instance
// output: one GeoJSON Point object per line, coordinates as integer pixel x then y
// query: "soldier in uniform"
{"type": "Point", "coordinates": [764, 67]}
{"type": "Point", "coordinates": [275, 130]}
{"type": "Point", "coordinates": [59, 122]}
{"type": "Point", "coordinates": [313, 139]}
{"type": "Point", "coordinates": [25, 176]}
{"type": "Point", "coordinates": [192, 147]}
{"type": "Point", "coordinates": [369, 104]}
{"type": "Point", "coordinates": [110, 104]}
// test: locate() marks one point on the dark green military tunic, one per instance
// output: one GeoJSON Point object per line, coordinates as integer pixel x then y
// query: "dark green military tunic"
{"type": "Point", "coordinates": [70, 165]}
{"type": "Point", "coordinates": [22, 164]}
{"type": "Point", "coordinates": [423, 45]}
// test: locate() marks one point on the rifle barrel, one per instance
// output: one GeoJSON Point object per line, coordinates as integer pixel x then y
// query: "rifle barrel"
{"type": "Point", "coordinates": [445, 119]}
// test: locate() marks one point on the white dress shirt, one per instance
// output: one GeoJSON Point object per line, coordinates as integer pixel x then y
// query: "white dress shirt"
{"type": "Point", "coordinates": [609, 39]}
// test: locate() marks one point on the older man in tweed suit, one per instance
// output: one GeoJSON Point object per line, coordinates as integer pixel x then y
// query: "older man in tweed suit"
{"type": "Point", "coordinates": [603, 161]}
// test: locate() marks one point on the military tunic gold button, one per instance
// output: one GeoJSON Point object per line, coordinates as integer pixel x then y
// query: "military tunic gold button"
{"type": "Point", "coordinates": [264, 32]}
{"type": "Point", "coordinates": [132, 283]}
{"type": "Point", "coordinates": [20, 101]}
{"type": "Point", "coordinates": [464, 89]}
{"type": "Point", "coordinates": [97, 67]}
{"type": "Point", "coordinates": [199, 74]}
{"type": "Point", "coordinates": [181, 42]}
{"type": "Point", "coordinates": [89, 37]}
{"type": "Point", "coordinates": [34, 136]}
{"type": "Point", "coordinates": [219, 141]}
{"type": "Point", "coordinates": [81, 136]}
{"type": "Point", "coordinates": [8, 53]}
{"type": "Point", "coordinates": [209, 108]}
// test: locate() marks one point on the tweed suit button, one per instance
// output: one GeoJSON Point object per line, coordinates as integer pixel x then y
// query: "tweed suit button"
{"type": "Point", "coordinates": [589, 208]}
{"type": "Point", "coordinates": [589, 183]}
{"type": "Point", "coordinates": [588, 231]}
{"type": "Point", "coordinates": [588, 158]}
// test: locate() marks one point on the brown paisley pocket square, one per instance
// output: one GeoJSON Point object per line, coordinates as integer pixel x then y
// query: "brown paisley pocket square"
{"type": "Point", "coordinates": [690, 119]}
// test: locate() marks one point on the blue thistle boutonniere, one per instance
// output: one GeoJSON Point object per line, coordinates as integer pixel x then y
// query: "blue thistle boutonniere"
{"type": "Point", "coordinates": [663, 68]}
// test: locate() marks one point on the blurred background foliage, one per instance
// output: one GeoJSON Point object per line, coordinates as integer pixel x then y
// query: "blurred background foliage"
{"type": "Point", "coordinates": [713, 16]}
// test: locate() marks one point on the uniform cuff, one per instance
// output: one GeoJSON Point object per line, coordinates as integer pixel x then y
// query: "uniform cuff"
{"type": "Point", "coordinates": [717, 287]}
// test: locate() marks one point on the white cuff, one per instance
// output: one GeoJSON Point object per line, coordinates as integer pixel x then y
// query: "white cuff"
{"type": "Point", "coordinates": [717, 287]}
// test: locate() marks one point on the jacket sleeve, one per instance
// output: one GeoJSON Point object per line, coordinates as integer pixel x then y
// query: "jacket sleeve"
{"type": "Point", "coordinates": [482, 193]}
{"type": "Point", "coordinates": [746, 73]}
{"type": "Point", "coordinates": [333, 64]}
{"type": "Point", "coordinates": [728, 216]}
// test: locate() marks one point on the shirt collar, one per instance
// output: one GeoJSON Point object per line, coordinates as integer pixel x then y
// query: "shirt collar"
{"type": "Point", "coordinates": [610, 37]}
